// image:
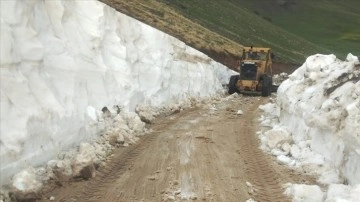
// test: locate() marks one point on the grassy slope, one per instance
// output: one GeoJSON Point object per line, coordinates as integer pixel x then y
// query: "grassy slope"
{"type": "Point", "coordinates": [219, 28]}
{"type": "Point", "coordinates": [334, 25]}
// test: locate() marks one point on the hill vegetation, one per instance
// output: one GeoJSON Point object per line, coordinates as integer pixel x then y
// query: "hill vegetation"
{"type": "Point", "coordinates": [294, 29]}
{"type": "Point", "coordinates": [333, 25]}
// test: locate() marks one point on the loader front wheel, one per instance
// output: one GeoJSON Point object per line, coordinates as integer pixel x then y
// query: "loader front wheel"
{"type": "Point", "coordinates": [232, 84]}
{"type": "Point", "coordinates": [266, 86]}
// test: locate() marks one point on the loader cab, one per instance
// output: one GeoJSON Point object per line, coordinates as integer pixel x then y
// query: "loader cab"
{"type": "Point", "coordinates": [262, 54]}
{"type": "Point", "coordinates": [259, 57]}
{"type": "Point", "coordinates": [250, 55]}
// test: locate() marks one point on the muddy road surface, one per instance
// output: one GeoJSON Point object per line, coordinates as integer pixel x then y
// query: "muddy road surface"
{"type": "Point", "coordinates": [206, 153]}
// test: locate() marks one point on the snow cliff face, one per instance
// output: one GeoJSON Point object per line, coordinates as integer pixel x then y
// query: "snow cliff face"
{"type": "Point", "coordinates": [315, 127]}
{"type": "Point", "coordinates": [320, 103]}
{"type": "Point", "coordinates": [63, 61]}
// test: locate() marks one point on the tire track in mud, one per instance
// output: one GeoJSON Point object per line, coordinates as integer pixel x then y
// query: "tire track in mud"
{"type": "Point", "coordinates": [258, 165]}
{"type": "Point", "coordinates": [97, 189]}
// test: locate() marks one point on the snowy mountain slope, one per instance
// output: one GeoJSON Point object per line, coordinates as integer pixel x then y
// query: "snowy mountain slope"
{"type": "Point", "coordinates": [63, 61]}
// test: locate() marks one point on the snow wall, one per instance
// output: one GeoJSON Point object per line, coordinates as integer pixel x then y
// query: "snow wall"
{"type": "Point", "coordinates": [320, 107]}
{"type": "Point", "coordinates": [63, 61]}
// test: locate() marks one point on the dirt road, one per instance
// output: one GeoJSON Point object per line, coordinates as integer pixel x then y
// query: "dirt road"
{"type": "Point", "coordinates": [208, 153]}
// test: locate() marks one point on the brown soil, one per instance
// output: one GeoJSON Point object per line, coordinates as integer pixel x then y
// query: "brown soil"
{"type": "Point", "coordinates": [284, 67]}
{"type": "Point", "coordinates": [198, 154]}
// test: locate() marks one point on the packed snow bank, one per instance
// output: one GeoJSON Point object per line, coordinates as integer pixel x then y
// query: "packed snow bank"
{"type": "Point", "coordinates": [321, 103]}
{"type": "Point", "coordinates": [63, 61]}
{"type": "Point", "coordinates": [316, 122]}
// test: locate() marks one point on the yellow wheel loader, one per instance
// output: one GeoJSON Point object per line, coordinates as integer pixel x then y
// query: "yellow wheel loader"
{"type": "Point", "coordinates": [255, 73]}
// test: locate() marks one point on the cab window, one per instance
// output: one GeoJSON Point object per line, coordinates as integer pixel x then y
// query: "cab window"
{"type": "Point", "coordinates": [255, 55]}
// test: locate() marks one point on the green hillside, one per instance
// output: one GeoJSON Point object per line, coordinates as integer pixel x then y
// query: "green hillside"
{"type": "Point", "coordinates": [293, 29]}
{"type": "Point", "coordinates": [334, 25]}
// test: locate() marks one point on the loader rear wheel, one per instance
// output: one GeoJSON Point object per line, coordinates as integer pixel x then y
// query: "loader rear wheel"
{"type": "Point", "coordinates": [266, 86]}
{"type": "Point", "coordinates": [232, 84]}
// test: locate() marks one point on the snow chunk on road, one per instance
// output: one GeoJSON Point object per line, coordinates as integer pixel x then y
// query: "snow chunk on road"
{"type": "Point", "coordinates": [285, 160]}
{"type": "Point", "coordinates": [340, 192]}
{"type": "Point", "coordinates": [335, 192]}
{"type": "Point", "coordinates": [239, 112]}
{"type": "Point", "coordinates": [304, 193]}
{"type": "Point", "coordinates": [276, 137]}
{"type": "Point", "coordinates": [27, 181]}
{"type": "Point", "coordinates": [83, 164]}
{"type": "Point", "coordinates": [26, 184]}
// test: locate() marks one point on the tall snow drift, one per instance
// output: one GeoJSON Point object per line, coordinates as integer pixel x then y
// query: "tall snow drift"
{"type": "Point", "coordinates": [63, 61]}
{"type": "Point", "coordinates": [320, 102]}
{"type": "Point", "coordinates": [316, 127]}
